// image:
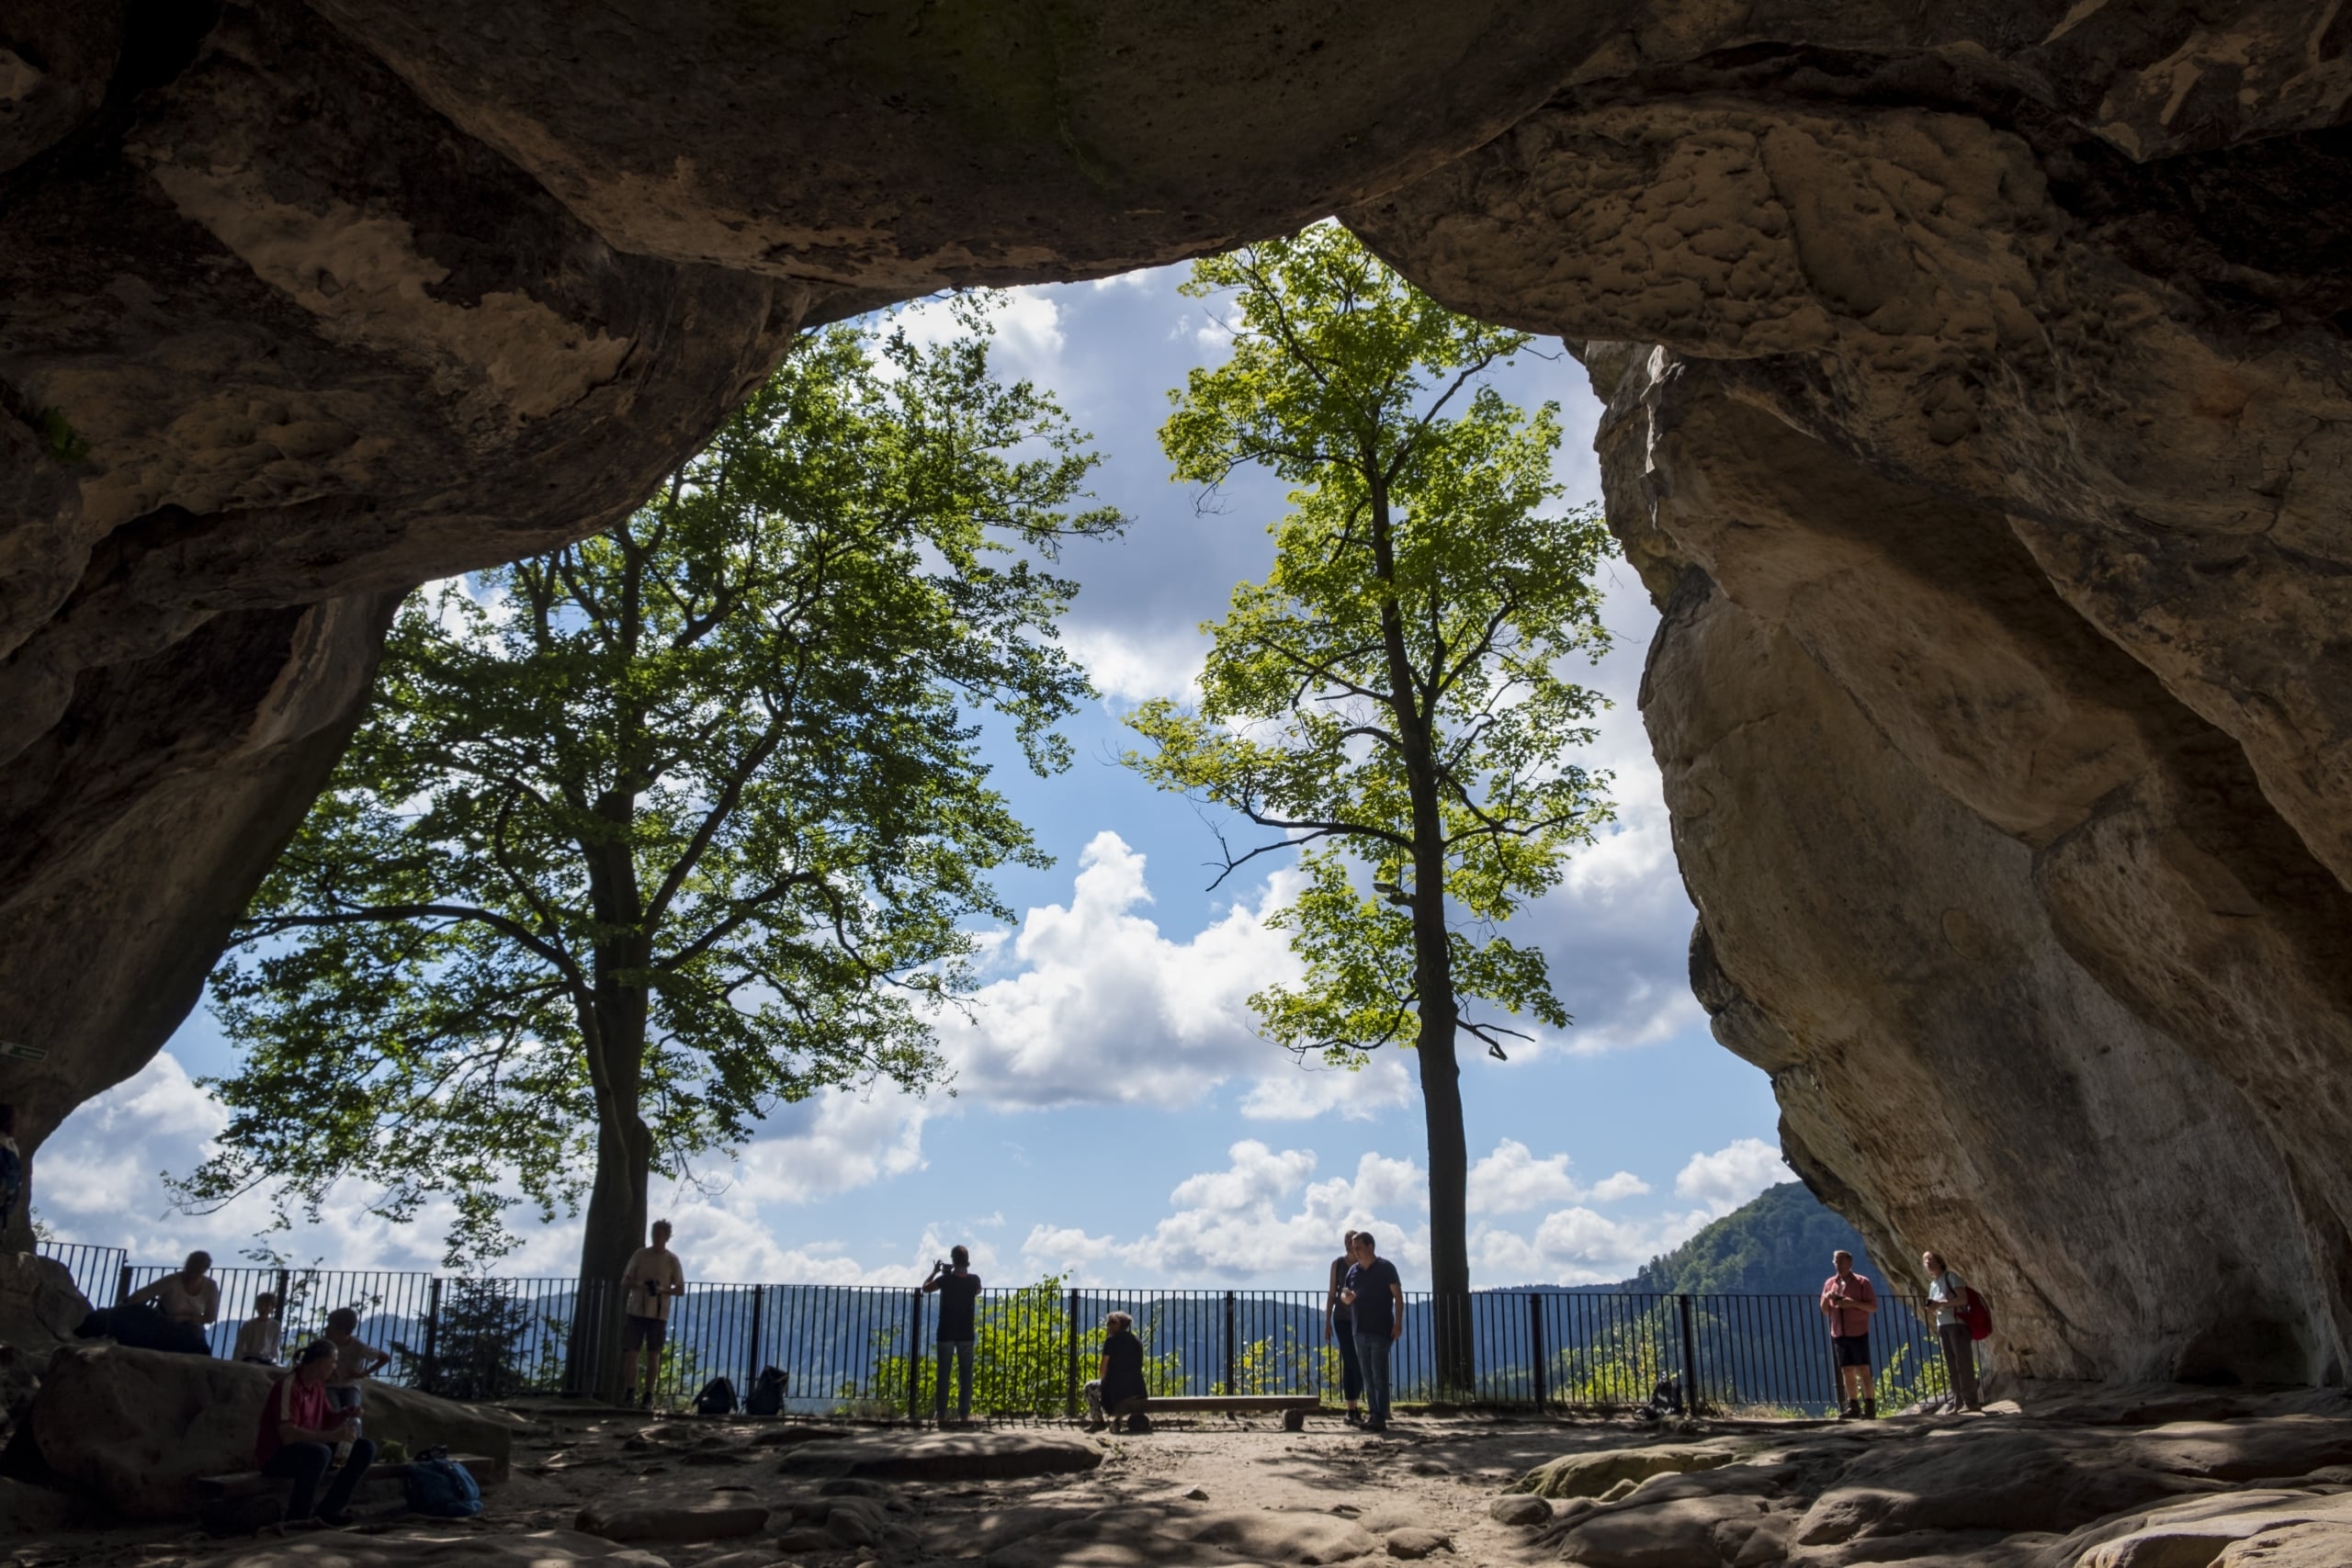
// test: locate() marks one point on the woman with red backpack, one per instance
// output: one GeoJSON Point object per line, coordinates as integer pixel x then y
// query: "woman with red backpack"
{"type": "Point", "coordinates": [1958, 1311]}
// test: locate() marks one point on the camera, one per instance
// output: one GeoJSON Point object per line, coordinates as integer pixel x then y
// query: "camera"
{"type": "Point", "coordinates": [939, 1266]}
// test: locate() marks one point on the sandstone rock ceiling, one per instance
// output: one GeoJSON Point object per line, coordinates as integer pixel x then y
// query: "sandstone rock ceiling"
{"type": "Point", "coordinates": [1979, 407]}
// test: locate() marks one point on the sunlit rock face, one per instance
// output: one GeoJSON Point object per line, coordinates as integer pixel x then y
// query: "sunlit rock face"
{"type": "Point", "coordinates": [1978, 412]}
{"type": "Point", "coordinates": [1982, 423]}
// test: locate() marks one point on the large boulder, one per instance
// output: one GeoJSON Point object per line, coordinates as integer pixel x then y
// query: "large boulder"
{"type": "Point", "coordinates": [135, 1427]}
{"type": "Point", "coordinates": [40, 1307]}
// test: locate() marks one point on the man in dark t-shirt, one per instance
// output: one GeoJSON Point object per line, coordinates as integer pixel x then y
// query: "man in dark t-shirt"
{"type": "Point", "coordinates": [1376, 1299]}
{"type": "Point", "coordinates": [958, 1290]}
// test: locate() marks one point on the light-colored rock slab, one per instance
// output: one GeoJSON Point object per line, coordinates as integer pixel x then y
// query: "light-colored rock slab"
{"type": "Point", "coordinates": [1592, 1474]}
{"type": "Point", "coordinates": [634, 1521]}
{"type": "Point", "coordinates": [944, 1456]}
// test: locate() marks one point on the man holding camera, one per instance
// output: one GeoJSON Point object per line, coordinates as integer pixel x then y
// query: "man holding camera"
{"type": "Point", "coordinates": [959, 1292]}
{"type": "Point", "coordinates": [652, 1278]}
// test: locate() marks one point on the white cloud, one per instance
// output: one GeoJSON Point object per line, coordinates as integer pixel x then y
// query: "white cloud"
{"type": "Point", "coordinates": [1511, 1180]}
{"type": "Point", "coordinates": [1615, 1188]}
{"type": "Point", "coordinates": [1104, 1008]}
{"type": "Point", "coordinates": [1732, 1175]}
{"type": "Point", "coordinates": [1300, 1091]}
{"type": "Point", "coordinates": [1028, 320]}
{"type": "Point", "coordinates": [833, 1144]}
{"type": "Point", "coordinates": [1263, 1217]}
{"type": "Point", "coordinates": [1132, 667]}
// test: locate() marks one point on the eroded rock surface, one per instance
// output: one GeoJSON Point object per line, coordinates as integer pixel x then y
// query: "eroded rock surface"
{"type": "Point", "coordinates": [1978, 368]}
{"type": "Point", "coordinates": [1985, 440]}
{"type": "Point", "coordinates": [133, 1428]}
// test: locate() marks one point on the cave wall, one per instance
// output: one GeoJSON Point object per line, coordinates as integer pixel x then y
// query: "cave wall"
{"type": "Point", "coordinates": [1998, 492]}
{"type": "Point", "coordinates": [1980, 415]}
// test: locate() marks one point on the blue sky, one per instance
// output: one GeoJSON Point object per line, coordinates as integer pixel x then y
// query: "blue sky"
{"type": "Point", "coordinates": [1114, 1114]}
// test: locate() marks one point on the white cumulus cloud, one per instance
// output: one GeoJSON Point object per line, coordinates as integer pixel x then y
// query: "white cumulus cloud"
{"type": "Point", "coordinates": [1102, 1007]}
{"type": "Point", "coordinates": [1732, 1175]}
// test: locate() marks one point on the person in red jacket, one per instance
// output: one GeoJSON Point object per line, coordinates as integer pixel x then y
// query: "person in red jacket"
{"type": "Point", "coordinates": [299, 1433]}
{"type": "Point", "coordinates": [1848, 1299]}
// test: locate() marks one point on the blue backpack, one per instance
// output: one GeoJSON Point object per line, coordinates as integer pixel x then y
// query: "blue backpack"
{"type": "Point", "coordinates": [440, 1488]}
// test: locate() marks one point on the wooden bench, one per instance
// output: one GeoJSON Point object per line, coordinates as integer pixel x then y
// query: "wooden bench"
{"type": "Point", "coordinates": [486, 1471]}
{"type": "Point", "coordinates": [1293, 1408]}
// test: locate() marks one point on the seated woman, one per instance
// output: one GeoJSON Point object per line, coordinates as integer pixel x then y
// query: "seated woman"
{"type": "Point", "coordinates": [299, 1433]}
{"type": "Point", "coordinates": [1119, 1391]}
{"type": "Point", "coordinates": [190, 1296]}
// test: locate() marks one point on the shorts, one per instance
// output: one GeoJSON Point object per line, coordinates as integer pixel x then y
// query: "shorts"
{"type": "Point", "coordinates": [1853, 1350]}
{"type": "Point", "coordinates": [644, 1333]}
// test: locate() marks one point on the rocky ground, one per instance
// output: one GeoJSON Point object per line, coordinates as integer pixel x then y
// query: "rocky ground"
{"type": "Point", "coordinates": [2167, 1480]}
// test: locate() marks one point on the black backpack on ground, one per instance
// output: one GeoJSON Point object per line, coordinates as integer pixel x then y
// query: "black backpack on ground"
{"type": "Point", "coordinates": [1666, 1398]}
{"type": "Point", "coordinates": [717, 1398]}
{"type": "Point", "coordinates": [766, 1397]}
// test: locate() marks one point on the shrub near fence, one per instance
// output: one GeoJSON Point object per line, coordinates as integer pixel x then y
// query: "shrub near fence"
{"type": "Point", "coordinates": [861, 1349]}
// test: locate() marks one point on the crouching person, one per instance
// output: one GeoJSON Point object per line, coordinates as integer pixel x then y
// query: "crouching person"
{"type": "Point", "coordinates": [299, 1433]}
{"type": "Point", "coordinates": [1119, 1390]}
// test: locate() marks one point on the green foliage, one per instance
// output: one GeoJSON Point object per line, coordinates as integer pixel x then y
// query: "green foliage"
{"type": "Point", "coordinates": [1779, 1242]}
{"type": "Point", "coordinates": [477, 1342]}
{"type": "Point", "coordinates": [1391, 685]}
{"type": "Point", "coordinates": [1262, 1366]}
{"type": "Point", "coordinates": [1021, 1359]}
{"type": "Point", "coordinates": [645, 836]}
{"type": "Point", "coordinates": [1387, 704]}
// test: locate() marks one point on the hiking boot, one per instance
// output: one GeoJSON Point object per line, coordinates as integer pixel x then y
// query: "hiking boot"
{"type": "Point", "coordinates": [1354, 1417]}
{"type": "Point", "coordinates": [1096, 1423]}
{"type": "Point", "coordinates": [1850, 1411]}
{"type": "Point", "coordinates": [1870, 1409]}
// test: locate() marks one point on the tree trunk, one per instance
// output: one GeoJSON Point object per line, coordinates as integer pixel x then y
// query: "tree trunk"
{"type": "Point", "coordinates": [1440, 1013]}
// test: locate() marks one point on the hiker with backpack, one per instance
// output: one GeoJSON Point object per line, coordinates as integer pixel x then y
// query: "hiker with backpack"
{"type": "Point", "coordinates": [1958, 1310]}
{"type": "Point", "coordinates": [651, 1281]}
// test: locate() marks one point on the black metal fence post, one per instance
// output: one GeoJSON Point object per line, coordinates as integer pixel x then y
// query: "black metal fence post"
{"type": "Point", "coordinates": [431, 1371]}
{"type": "Point", "coordinates": [122, 1286]}
{"type": "Point", "coordinates": [1229, 1387]}
{"type": "Point", "coordinates": [1072, 1401]}
{"type": "Point", "coordinates": [1689, 1357]}
{"type": "Point", "coordinates": [759, 1311]}
{"type": "Point", "coordinates": [914, 1356]}
{"type": "Point", "coordinates": [1535, 1348]}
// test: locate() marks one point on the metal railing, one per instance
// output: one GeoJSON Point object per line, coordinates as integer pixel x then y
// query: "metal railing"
{"type": "Point", "coordinates": [869, 1350]}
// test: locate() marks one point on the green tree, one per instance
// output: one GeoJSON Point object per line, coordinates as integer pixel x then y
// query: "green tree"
{"type": "Point", "coordinates": [1386, 701]}
{"type": "Point", "coordinates": [644, 837]}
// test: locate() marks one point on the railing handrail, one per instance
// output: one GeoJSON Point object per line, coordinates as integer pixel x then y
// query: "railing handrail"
{"type": "Point", "coordinates": [864, 1349]}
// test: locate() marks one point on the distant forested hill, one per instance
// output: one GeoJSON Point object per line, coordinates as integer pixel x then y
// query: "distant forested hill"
{"type": "Point", "coordinates": [1778, 1243]}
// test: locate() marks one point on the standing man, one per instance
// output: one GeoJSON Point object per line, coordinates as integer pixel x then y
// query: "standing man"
{"type": "Point", "coordinates": [1375, 1298]}
{"type": "Point", "coordinates": [1946, 1291]}
{"type": "Point", "coordinates": [959, 1292]}
{"type": "Point", "coordinates": [651, 1281]}
{"type": "Point", "coordinates": [1339, 1323]}
{"type": "Point", "coordinates": [1848, 1299]}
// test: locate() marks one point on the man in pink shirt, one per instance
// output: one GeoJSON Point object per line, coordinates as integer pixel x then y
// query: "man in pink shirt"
{"type": "Point", "coordinates": [1848, 1299]}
